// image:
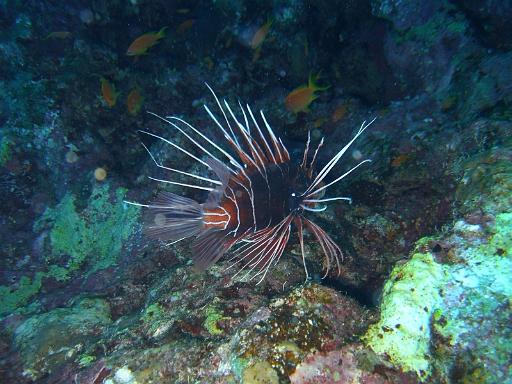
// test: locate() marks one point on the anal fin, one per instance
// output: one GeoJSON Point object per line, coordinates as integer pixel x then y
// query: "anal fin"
{"type": "Point", "coordinates": [209, 247]}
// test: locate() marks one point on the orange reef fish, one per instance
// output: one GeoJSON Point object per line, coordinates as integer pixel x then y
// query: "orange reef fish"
{"type": "Point", "coordinates": [260, 35]}
{"type": "Point", "coordinates": [255, 195]}
{"type": "Point", "coordinates": [134, 101]}
{"type": "Point", "coordinates": [141, 44]}
{"type": "Point", "coordinates": [209, 63]}
{"type": "Point", "coordinates": [185, 26]}
{"type": "Point", "coordinates": [400, 159]}
{"type": "Point", "coordinates": [299, 99]}
{"type": "Point", "coordinates": [339, 113]}
{"type": "Point", "coordinates": [108, 92]}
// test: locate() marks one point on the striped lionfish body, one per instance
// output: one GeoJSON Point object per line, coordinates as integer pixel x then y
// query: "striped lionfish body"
{"type": "Point", "coordinates": [256, 197]}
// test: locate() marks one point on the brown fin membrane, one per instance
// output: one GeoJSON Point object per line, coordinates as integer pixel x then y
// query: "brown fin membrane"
{"type": "Point", "coordinates": [209, 247]}
{"type": "Point", "coordinates": [223, 173]}
{"type": "Point", "coordinates": [171, 217]}
{"type": "Point", "coordinates": [331, 250]}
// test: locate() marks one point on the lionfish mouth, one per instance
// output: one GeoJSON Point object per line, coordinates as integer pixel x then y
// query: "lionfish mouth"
{"type": "Point", "coordinates": [254, 196]}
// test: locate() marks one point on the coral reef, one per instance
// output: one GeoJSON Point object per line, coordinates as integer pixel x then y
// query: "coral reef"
{"type": "Point", "coordinates": [89, 240]}
{"type": "Point", "coordinates": [94, 236]}
{"type": "Point", "coordinates": [47, 340]}
{"type": "Point", "coordinates": [444, 316]}
{"type": "Point", "coordinates": [443, 309]}
{"type": "Point", "coordinates": [409, 298]}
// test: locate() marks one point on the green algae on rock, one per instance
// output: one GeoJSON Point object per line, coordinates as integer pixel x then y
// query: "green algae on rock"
{"type": "Point", "coordinates": [93, 237]}
{"type": "Point", "coordinates": [5, 150]}
{"type": "Point", "coordinates": [11, 299]}
{"type": "Point", "coordinates": [48, 340]}
{"type": "Point", "coordinates": [444, 317]}
{"type": "Point", "coordinates": [213, 315]}
{"type": "Point", "coordinates": [461, 322]}
{"type": "Point", "coordinates": [260, 372]}
{"type": "Point", "coordinates": [409, 297]}
{"type": "Point", "coordinates": [486, 183]}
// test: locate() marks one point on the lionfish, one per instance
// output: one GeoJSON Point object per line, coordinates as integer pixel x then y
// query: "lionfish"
{"type": "Point", "coordinates": [255, 198]}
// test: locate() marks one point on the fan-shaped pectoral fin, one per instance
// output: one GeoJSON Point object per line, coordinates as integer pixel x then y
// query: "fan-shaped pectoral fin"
{"type": "Point", "coordinates": [331, 251]}
{"type": "Point", "coordinates": [298, 223]}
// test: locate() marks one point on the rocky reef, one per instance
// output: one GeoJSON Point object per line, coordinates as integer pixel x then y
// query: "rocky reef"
{"type": "Point", "coordinates": [425, 287]}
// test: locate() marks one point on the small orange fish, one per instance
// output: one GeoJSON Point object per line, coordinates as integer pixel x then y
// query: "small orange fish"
{"type": "Point", "coordinates": [209, 63]}
{"type": "Point", "coordinates": [58, 35]}
{"type": "Point", "coordinates": [320, 121]}
{"type": "Point", "coordinates": [400, 160]}
{"type": "Point", "coordinates": [300, 98]}
{"type": "Point", "coordinates": [260, 35]}
{"type": "Point", "coordinates": [339, 113]}
{"type": "Point", "coordinates": [108, 92]}
{"type": "Point", "coordinates": [134, 101]}
{"type": "Point", "coordinates": [141, 44]}
{"type": "Point", "coordinates": [185, 26]}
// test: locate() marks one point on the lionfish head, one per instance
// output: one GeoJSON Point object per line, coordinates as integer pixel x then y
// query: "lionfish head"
{"type": "Point", "coordinates": [255, 194]}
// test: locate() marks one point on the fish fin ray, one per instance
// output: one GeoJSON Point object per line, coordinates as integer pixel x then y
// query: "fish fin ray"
{"type": "Point", "coordinates": [332, 252]}
{"type": "Point", "coordinates": [224, 174]}
{"type": "Point", "coordinates": [208, 247]}
{"type": "Point", "coordinates": [171, 217]}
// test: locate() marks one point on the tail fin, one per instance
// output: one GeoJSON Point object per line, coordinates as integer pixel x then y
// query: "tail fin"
{"type": "Point", "coordinates": [172, 218]}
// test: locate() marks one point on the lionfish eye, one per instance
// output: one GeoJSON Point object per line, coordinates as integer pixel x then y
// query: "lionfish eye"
{"type": "Point", "coordinates": [294, 202]}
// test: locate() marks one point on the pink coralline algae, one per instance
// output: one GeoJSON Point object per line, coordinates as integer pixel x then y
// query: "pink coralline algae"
{"type": "Point", "coordinates": [338, 366]}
